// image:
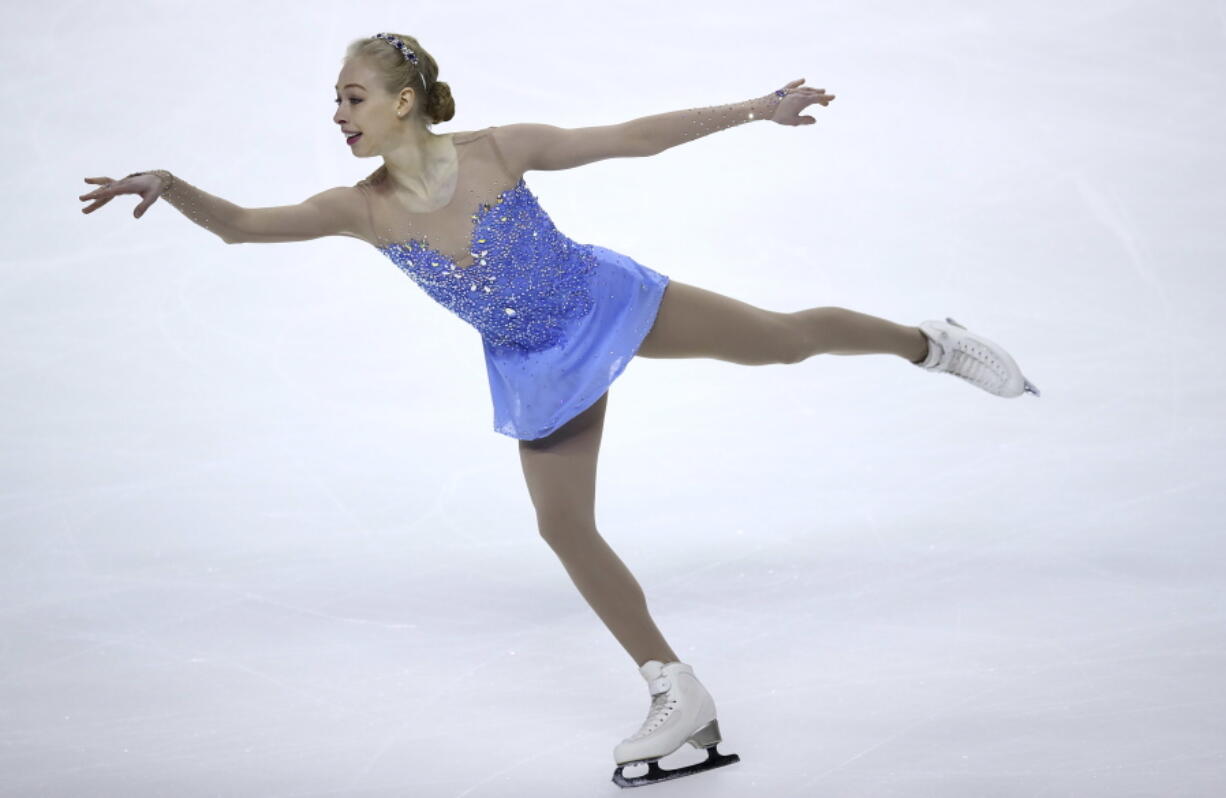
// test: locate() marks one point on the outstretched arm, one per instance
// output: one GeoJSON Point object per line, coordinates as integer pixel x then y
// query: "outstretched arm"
{"type": "Point", "coordinates": [330, 212]}
{"type": "Point", "coordinates": [532, 146]}
{"type": "Point", "coordinates": [663, 131]}
{"type": "Point", "coordinates": [212, 213]}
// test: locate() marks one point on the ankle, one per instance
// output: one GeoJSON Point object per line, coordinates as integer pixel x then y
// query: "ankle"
{"type": "Point", "coordinates": [924, 343]}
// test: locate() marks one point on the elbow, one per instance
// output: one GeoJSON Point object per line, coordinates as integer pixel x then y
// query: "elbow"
{"type": "Point", "coordinates": [640, 146]}
{"type": "Point", "coordinates": [230, 231]}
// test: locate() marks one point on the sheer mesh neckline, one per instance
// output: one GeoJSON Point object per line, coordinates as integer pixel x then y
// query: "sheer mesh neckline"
{"type": "Point", "coordinates": [477, 215]}
{"type": "Point", "coordinates": [455, 147]}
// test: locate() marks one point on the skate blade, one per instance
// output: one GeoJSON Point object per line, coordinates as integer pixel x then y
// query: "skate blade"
{"type": "Point", "coordinates": [1031, 388]}
{"type": "Point", "coordinates": [656, 773]}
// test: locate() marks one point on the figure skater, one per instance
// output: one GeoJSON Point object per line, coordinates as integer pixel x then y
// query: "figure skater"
{"type": "Point", "coordinates": [559, 321]}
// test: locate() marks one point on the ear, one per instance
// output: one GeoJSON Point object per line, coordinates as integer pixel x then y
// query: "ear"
{"type": "Point", "coordinates": [408, 96]}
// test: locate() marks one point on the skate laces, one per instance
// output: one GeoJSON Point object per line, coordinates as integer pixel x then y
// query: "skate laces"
{"type": "Point", "coordinates": [661, 705]}
{"type": "Point", "coordinates": [966, 365]}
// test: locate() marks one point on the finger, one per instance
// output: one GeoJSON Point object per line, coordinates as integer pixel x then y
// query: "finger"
{"type": "Point", "coordinates": [108, 186]}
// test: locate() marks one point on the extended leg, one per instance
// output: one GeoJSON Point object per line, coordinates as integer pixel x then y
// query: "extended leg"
{"type": "Point", "coordinates": [560, 470]}
{"type": "Point", "coordinates": [695, 322]}
{"type": "Point", "coordinates": [839, 331]}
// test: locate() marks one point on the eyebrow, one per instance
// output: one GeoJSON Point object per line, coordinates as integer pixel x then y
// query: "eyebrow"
{"type": "Point", "coordinates": [359, 85]}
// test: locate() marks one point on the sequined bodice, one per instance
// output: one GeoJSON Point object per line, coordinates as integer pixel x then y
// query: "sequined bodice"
{"type": "Point", "coordinates": [527, 281]}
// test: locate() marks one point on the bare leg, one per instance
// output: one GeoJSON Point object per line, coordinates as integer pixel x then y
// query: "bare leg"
{"type": "Point", "coordinates": [560, 470]}
{"type": "Point", "coordinates": [695, 322]}
{"type": "Point", "coordinates": [839, 331]}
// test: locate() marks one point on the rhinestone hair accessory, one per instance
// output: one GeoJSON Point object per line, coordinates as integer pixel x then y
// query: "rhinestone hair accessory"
{"type": "Point", "coordinates": [407, 52]}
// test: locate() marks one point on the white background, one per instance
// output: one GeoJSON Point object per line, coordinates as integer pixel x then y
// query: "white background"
{"type": "Point", "coordinates": [260, 539]}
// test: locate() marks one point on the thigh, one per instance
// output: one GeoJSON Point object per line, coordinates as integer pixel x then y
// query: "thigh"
{"type": "Point", "coordinates": [560, 469]}
{"type": "Point", "coordinates": [695, 322]}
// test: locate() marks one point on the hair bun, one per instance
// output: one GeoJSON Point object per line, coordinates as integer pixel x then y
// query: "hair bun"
{"type": "Point", "coordinates": [440, 104]}
{"type": "Point", "coordinates": [403, 63]}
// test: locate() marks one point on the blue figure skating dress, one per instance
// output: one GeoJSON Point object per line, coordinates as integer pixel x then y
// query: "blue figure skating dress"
{"type": "Point", "coordinates": [559, 321]}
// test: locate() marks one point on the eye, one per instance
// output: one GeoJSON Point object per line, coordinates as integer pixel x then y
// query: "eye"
{"type": "Point", "coordinates": [352, 100]}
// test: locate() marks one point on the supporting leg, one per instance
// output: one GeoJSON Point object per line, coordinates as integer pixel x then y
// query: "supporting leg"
{"type": "Point", "coordinates": [560, 471]}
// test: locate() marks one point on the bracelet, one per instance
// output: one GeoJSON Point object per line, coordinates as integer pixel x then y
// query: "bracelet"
{"type": "Point", "coordinates": [168, 179]}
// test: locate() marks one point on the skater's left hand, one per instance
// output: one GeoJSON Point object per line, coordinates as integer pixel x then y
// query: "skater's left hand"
{"type": "Point", "coordinates": [797, 99]}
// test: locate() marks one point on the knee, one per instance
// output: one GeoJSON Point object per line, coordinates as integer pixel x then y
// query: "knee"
{"type": "Point", "coordinates": [797, 341]}
{"type": "Point", "coordinates": [809, 331]}
{"type": "Point", "coordinates": [562, 529]}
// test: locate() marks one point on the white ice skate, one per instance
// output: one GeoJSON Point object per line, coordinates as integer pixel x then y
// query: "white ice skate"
{"type": "Point", "coordinates": [682, 711]}
{"type": "Point", "coordinates": [954, 350]}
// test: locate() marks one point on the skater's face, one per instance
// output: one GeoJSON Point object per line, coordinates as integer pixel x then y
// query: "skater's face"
{"type": "Point", "coordinates": [363, 107]}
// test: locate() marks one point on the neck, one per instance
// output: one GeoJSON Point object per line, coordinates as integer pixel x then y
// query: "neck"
{"type": "Point", "coordinates": [416, 165]}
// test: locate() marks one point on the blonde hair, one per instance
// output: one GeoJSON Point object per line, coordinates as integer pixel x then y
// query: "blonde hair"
{"type": "Point", "coordinates": [397, 73]}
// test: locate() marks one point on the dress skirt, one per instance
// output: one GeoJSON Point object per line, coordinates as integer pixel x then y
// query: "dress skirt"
{"type": "Point", "coordinates": [535, 393]}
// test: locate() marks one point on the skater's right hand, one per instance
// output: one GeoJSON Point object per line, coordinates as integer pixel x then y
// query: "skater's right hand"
{"type": "Point", "coordinates": [148, 186]}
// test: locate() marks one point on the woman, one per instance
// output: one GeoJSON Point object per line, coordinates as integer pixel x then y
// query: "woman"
{"type": "Point", "coordinates": [559, 321]}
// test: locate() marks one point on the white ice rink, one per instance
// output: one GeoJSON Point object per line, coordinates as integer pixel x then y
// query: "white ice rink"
{"type": "Point", "coordinates": [258, 538]}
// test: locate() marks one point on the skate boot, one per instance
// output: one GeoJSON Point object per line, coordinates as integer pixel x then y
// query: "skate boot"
{"type": "Point", "coordinates": [682, 711]}
{"type": "Point", "coordinates": [954, 350]}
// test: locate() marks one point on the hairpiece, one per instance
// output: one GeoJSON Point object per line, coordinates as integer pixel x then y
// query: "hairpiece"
{"type": "Point", "coordinates": [407, 52]}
